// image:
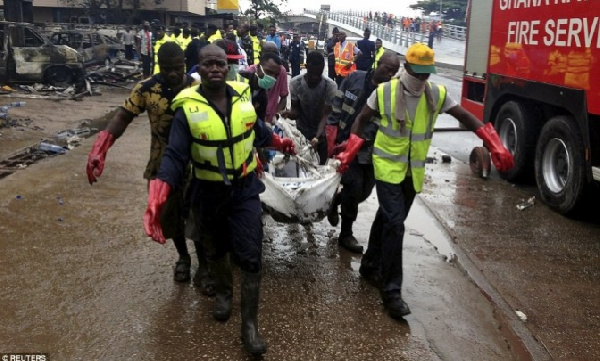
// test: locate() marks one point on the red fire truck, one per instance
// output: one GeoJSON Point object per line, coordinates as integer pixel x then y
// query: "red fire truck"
{"type": "Point", "coordinates": [532, 68]}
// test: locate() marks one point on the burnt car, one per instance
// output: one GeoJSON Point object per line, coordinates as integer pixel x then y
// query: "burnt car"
{"type": "Point", "coordinates": [95, 48]}
{"type": "Point", "coordinates": [27, 57]}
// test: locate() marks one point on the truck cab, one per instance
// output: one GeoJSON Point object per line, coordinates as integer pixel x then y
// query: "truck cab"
{"type": "Point", "coordinates": [27, 57]}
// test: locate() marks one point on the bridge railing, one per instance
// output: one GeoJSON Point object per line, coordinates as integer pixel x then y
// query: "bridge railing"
{"type": "Point", "coordinates": [394, 34]}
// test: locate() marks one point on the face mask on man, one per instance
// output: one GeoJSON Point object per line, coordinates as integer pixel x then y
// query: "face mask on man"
{"type": "Point", "coordinates": [267, 81]}
{"type": "Point", "coordinates": [413, 85]}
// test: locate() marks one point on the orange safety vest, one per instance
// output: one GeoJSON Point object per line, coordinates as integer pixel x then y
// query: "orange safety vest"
{"type": "Point", "coordinates": [343, 59]}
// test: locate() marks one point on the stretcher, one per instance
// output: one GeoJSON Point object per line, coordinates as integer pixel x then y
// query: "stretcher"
{"type": "Point", "coordinates": [298, 189]}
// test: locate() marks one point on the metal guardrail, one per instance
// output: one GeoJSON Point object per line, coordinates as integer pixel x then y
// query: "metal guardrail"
{"type": "Point", "coordinates": [396, 34]}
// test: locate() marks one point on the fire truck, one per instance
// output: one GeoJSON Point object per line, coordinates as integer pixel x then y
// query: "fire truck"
{"type": "Point", "coordinates": [532, 69]}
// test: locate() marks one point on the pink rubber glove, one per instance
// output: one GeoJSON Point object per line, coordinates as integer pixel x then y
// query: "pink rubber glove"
{"type": "Point", "coordinates": [348, 155]}
{"type": "Point", "coordinates": [284, 145]}
{"type": "Point", "coordinates": [95, 164]}
{"type": "Point", "coordinates": [157, 197]}
{"type": "Point", "coordinates": [501, 157]}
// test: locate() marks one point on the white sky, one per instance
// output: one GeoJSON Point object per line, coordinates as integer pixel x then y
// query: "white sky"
{"type": "Point", "coordinates": [396, 7]}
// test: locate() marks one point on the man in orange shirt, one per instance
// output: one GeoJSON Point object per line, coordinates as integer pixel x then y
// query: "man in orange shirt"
{"type": "Point", "coordinates": [345, 53]}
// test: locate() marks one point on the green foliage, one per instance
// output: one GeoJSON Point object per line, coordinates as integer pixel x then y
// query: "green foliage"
{"type": "Point", "coordinates": [451, 9]}
{"type": "Point", "coordinates": [265, 11]}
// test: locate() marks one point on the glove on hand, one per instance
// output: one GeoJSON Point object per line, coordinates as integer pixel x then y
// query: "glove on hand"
{"type": "Point", "coordinates": [95, 164]}
{"type": "Point", "coordinates": [340, 148]}
{"type": "Point", "coordinates": [348, 155]}
{"type": "Point", "coordinates": [157, 196]}
{"type": "Point", "coordinates": [331, 132]}
{"type": "Point", "coordinates": [284, 145]}
{"type": "Point", "coordinates": [501, 157]}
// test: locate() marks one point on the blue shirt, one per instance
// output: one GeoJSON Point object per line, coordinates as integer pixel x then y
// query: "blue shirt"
{"type": "Point", "coordinates": [275, 38]}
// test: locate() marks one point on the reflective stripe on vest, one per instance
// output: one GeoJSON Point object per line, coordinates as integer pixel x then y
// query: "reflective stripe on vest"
{"type": "Point", "coordinates": [256, 48]}
{"type": "Point", "coordinates": [215, 154]}
{"type": "Point", "coordinates": [157, 46]}
{"type": "Point", "coordinates": [394, 144]}
{"type": "Point", "coordinates": [378, 55]}
{"type": "Point", "coordinates": [343, 58]}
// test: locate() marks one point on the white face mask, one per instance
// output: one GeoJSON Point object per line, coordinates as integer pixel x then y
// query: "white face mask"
{"type": "Point", "coordinates": [413, 85]}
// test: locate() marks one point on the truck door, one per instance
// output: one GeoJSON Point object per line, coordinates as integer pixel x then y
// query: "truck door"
{"type": "Point", "coordinates": [29, 53]}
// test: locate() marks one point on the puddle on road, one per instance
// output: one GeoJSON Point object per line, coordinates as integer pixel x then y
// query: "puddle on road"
{"type": "Point", "coordinates": [422, 223]}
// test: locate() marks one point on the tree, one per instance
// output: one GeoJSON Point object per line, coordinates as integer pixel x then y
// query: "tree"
{"type": "Point", "coordinates": [267, 10]}
{"type": "Point", "coordinates": [451, 9]}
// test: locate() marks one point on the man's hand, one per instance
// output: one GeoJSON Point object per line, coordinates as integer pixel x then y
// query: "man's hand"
{"type": "Point", "coordinates": [501, 157]}
{"type": "Point", "coordinates": [95, 164]}
{"type": "Point", "coordinates": [157, 196]}
{"type": "Point", "coordinates": [260, 169]}
{"type": "Point", "coordinates": [289, 114]}
{"type": "Point", "coordinates": [314, 142]}
{"type": "Point", "coordinates": [284, 145]}
{"type": "Point", "coordinates": [348, 155]}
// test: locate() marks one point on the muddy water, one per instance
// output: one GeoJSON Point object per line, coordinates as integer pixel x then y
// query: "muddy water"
{"type": "Point", "coordinates": [81, 281]}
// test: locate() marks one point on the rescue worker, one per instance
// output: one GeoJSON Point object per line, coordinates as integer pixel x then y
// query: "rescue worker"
{"type": "Point", "coordinates": [212, 33]}
{"type": "Point", "coordinates": [215, 127]}
{"type": "Point", "coordinates": [359, 180]}
{"type": "Point", "coordinates": [367, 50]}
{"type": "Point", "coordinates": [345, 53]}
{"type": "Point", "coordinates": [329, 45]}
{"type": "Point", "coordinates": [379, 50]}
{"type": "Point", "coordinates": [408, 107]}
{"type": "Point", "coordinates": [161, 38]}
{"type": "Point", "coordinates": [312, 94]}
{"type": "Point", "coordinates": [246, 44]}
{"type": "Point", "coordinates": [154, 95]}
{"type": "Point", "coordinates": [256, 43]}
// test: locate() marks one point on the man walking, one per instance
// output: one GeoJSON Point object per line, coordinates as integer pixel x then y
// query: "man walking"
{"type": "Point", "coordinates": [215, 127]}
{"type": "Point", "coordinates": [359, 180]}
{"type": "Point", "coordinates": [329, 45]}
{"type": "Point", "coordinates": [154, 95]}
{"type": "Point", "coordinates": [312, 94]}
{"type": "Point", "coordinates": [297, 50]}
{"type": "Point", "coordinates": [408, 108]}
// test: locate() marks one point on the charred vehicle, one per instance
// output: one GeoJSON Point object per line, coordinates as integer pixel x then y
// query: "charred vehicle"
{"type": "Point", "coordinates": [27, 57]}
{"type": "Point", "coordinates": [95, 48]}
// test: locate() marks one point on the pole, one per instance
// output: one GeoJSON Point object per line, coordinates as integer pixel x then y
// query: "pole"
{"type": "Point", "coordinates": [441, 9]}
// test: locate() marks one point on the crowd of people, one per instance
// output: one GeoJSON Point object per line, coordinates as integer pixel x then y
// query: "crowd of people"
{"type": "Point", "coordinates": [211, 102]}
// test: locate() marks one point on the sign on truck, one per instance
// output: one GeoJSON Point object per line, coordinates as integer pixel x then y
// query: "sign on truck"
{"type": "Point", "coordinates": [532, 68]}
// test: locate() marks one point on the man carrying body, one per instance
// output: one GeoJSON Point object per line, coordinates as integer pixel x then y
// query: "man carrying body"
{"type": "Point", "coordinates": [408, 108]}
{"type": "Point", "coordinates": [215, 127]}
{"type": "Point", "coordinates": [359, 180]}
{"type": "Point", "coordinates": [154, 95]}
{"type": "Point", "coordinates": [312, 94]}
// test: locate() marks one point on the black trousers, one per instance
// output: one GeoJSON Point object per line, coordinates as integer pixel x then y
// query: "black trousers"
{"type": "Point", "coordinates": [331, 72]}
{"type": "Point", "coordinates": [146, 65]}
{"type": "Point", "coordinates": [358, 182]}
{"type": "Point", "coordinates": [128, 52]}
{"type": "Point", "coordinates": [384, 252]}
{"type": "Point", "coordinates": [295, 65]}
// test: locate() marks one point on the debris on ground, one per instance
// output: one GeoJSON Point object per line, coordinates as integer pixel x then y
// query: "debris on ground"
{"type": "Point", "coordinates": [526, 203]}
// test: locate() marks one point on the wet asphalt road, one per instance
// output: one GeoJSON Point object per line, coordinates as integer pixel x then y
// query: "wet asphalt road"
{"type": "Point", "coordinates": [81, 281]}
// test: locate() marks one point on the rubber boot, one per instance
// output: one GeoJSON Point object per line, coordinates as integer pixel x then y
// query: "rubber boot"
{"type": "Point", "coordinates": [253, 342]}
{"type": "Point", "coordinates": [223, 288]}
{"type": "Point", "coordinates": [204, 278]}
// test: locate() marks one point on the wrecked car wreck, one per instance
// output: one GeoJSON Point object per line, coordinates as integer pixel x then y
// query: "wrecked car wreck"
{"type": "Point", "coordinates": [27, 57]}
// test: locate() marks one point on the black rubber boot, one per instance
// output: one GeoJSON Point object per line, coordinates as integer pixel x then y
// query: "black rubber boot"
{"type": "Point", "coordinates": [333, 216]}
{"type": "Point", "coordinates": [253, 342]}
{"type": "Point", "coordinates": [204, 277]}
{"type": "Point", "coordinates": [395, 305]}
{"type": "Point", "coordinates": [223, 288]}
{"type": "Point", "coordinates": [350, 243]}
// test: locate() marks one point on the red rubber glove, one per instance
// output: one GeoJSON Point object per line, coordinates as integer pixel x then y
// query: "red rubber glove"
{"type": "Point", "coordinates": [501, 157]}
{"type": "Point", "coordinates": [95, 164]}
{"type": "Point", "coordinates": [157, 197]}
{"type": "Point", "coordinates": [331, 132]}
{"type": "Point", "coordinates": [284, 145]}
{"type": "Point", "coordinates": [340, 147]}
{"type": "Point", "coordinates": [348, 155]}
{"type": "Point", "coordinates": [260, 169]}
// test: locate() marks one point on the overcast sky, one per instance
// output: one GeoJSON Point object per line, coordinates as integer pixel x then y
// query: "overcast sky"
{"type": "Point", "coordinates": [396, 7]}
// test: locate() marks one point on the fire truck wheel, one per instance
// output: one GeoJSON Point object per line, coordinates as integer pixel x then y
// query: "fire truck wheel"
{"type": "Point", "coordinates": [518, 126]}
{"type": "Point", "coordinates": [560, 164]}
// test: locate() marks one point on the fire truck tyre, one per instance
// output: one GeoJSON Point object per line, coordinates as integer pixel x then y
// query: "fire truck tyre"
{"type": "Point", "coordinates": [560, 165]}
{"type": "Point", "coordinates": [60, 76]}
{"type": "Point", "coordinates": [518, 126]}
